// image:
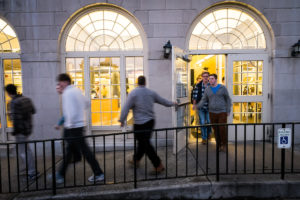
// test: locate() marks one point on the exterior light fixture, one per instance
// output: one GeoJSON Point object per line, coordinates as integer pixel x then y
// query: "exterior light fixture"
{"type": "Point", "coordinates": [296, 49]}
{"type": "Point", "coordinates": [167, 49]}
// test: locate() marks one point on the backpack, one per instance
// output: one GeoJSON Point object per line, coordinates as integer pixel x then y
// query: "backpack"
{"type": "Point", "coordinates": [22, 116]}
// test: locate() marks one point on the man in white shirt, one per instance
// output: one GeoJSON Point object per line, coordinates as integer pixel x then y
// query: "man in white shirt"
{"type": "Point", "coordinates": [73, 106]}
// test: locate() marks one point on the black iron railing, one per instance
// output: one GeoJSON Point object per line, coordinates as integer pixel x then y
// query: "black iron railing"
{"type": "Point", "coordinates": [251, 149]}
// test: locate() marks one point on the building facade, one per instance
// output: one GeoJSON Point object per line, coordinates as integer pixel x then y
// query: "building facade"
{"type": "Point", "coordinates": [106, 45]}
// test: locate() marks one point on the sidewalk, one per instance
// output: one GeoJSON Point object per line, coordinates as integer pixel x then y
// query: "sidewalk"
{"type": "Point", "coordinates": [179, 186]}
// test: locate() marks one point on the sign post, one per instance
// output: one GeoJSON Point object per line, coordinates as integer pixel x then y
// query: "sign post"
{"type": "Point", "coordinates": [284, 142]}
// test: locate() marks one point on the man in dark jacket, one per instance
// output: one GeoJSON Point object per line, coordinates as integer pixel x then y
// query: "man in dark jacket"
{"type": "Point", "coordinates": [203, 113]}
{"type": "Point", "coordinates": [21, 110]}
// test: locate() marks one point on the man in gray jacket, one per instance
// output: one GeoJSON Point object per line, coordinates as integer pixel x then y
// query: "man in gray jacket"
{"type": "Point", "coordinates": [219, 106]}
{"type": "Point", "coordinates": [141, 100]}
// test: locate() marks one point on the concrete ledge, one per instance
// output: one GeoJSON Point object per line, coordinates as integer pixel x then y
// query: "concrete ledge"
{"type": "Point", "coordinates": [189, 189]}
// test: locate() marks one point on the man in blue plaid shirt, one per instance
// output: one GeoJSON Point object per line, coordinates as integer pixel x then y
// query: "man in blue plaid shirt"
{"type": "Point", "coordinates": [198, 92]}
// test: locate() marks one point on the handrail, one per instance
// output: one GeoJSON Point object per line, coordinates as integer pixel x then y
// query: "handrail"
{"type": "Point", "coordinates": [210, 157]}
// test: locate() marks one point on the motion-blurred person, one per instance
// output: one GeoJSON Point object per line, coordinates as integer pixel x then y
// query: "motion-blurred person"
{"type": "Point", "coordinates": [73, 106]}
{"type": "Point", "coordinates": [141, 100]}
{"type": "Point", "coordinates": [21, 111]}
{"type": "Point", "coordinates": [61, 121]}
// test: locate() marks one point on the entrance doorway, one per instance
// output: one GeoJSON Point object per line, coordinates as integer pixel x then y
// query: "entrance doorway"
{"type": "Point", "coordinates": [245, 76]}
{"type": "Point", "coordinates": [214, 64]}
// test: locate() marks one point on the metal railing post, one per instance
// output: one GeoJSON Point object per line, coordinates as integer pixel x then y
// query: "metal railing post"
{"type": "Point", "coordinates": [283, 159]}
{"type": "Point", "coordinates": [53, 168]}
{"type": "Point", "coordinates": [135, 179]}
{"type": "Point", "coordinates": [217, 155]}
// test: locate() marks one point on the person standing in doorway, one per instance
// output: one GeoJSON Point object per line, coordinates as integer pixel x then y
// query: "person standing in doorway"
{"type": "Point", "coordinates": [141, 100]}
{"type": "Point", "coordinates": [21, 110]}
{"type": "Point", "coordinates": [73, 106]}
{"type": "Point", "coordinates": [194, 94]}
{"type": "Point", "coordinates": [219, 106]}
{"type": "Point", "coordinates": [202, 112]}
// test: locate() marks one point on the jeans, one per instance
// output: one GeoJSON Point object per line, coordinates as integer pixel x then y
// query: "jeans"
{"type": "Point", "coordinates": [204, 119]}
{"type": "Point", "coordinates": [143, 143]}
{"type": "Point", "coordinates": [27, 160]}
{"type": "Point", "coordinates": [74, 146]}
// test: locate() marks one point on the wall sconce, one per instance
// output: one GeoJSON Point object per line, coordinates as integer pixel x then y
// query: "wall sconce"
{"type": "Point", "coordinates": [296, 49]}
{"type": "Point", "coordinates": [167, 49]}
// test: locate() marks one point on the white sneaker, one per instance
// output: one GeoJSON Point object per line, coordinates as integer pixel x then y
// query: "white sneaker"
{"type": "Point", "coordinates": [94, 178]}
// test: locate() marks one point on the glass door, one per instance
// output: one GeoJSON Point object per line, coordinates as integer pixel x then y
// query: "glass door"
{"type": "Point", "coordinates": [180, 94]}
{"type": "Point", "coordinates": [248, 86]}
{"type": "Point", "coordinates": [105, 91]}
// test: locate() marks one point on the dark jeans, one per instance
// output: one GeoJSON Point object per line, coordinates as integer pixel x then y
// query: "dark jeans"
{"type": "Point", "coordinates": [220, 131]}
{"type": "Point", "coordinates": [143, 143]}
{"type": "Point", "coordinates": [78, 145]}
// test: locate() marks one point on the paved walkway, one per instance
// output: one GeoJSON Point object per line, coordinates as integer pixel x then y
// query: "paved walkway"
{"type": "Point", "coordinates": [186, 177]}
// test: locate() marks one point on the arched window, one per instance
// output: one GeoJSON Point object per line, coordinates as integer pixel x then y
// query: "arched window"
{"type": "Point", "coordinates": [12, 71]}
{"type": "Point", "coordinates": [103, 31]}
{"type": "Point", "coordinates": [227, 28]}
{"type": "Point", "coordinates": [104, 54]}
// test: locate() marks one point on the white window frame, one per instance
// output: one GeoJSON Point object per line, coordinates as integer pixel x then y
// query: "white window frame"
{"type": "Point", "coordinates": [95, 54]}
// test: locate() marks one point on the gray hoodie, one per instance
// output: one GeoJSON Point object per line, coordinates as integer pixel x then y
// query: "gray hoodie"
{"type": "Point", "coordinates": [217, 103]}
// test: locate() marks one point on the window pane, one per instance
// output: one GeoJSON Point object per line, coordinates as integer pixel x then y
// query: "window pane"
{"type": "Point", "coordinates": [247, 112]}
{"type": "Point", "coordinates": [74, 67]}
{"type": "Point", "coordinates": [250, 79]}
{"type": "Point", "coordinates": [9, 42]}
{"type": "Point", "coordinates": [96, 119]}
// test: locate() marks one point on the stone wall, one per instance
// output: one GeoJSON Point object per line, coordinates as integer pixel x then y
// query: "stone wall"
{"type": "Point", "coordinates": [38, 24]}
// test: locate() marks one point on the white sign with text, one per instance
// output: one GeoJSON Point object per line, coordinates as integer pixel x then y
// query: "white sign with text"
{"type": "Point", "coordinates": [284, 138]}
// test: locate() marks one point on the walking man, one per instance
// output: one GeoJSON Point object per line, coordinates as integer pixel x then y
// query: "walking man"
{"type": "Point", "coordinates": [141, 100]}
{"type": "Point", "coordinates": [219, 106]}
{"type": "Point", "coordinates": [73, 106]}
{"type": "Point", "coordinates": [21, 111]}
{"type": "Point", "coordinates": [203, 113]}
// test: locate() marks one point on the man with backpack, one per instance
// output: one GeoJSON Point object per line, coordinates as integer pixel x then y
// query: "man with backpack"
{"type": "Point", "coordinates": [21, 110]}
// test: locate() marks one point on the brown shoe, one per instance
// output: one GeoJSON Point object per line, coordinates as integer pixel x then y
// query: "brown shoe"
{"type": "Point", "coordinates": [158, 169]}
{"type": "Point", "coordinates": [204, 141]}
{"type": "Point", "coordinates": [131, 162]}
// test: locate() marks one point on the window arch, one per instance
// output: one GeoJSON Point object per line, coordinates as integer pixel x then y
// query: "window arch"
{"type": "Point", "coordinates": [227, 28]}
{"type": "Point", "coordinates": [104, 52]}
{"type": "Point", "coordinates": [103, 30]}
{"type": "Point", "coordinates": [234, 40]}
{"type": "Point", "coordinates": [9, 42]}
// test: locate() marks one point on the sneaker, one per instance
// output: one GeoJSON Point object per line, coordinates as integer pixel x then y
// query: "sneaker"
{"type": "Point", "coordinates": [59, 178]}
{"type": "Point", "coordinates": [97, 178]}
{"type": "Point", "coordinates": [33, 176]}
